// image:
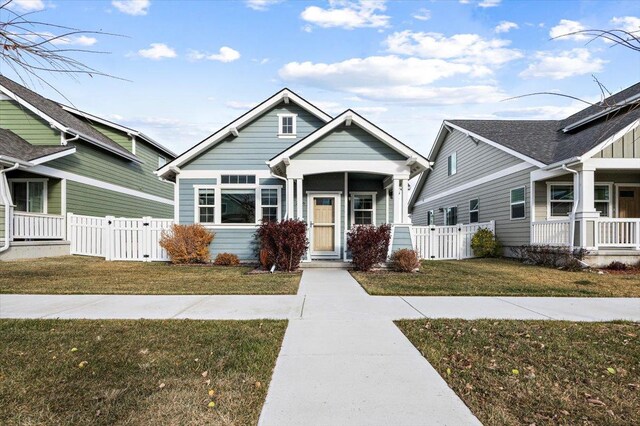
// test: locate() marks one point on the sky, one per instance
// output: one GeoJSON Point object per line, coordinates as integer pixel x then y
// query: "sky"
{"type": "Point", "coordinates": [186, 68]}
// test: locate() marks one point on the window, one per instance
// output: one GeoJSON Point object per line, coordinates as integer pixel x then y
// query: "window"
{"type": "Point", "coordinates": [474, 207]}
{"type": "Point", "coordinates": [561, 199]}
{"type": "Point", "coordinates": [287, 125]}
{"type": "Point", "coordinates": [238, 179]}
{"type": "Point", "coordinates": [206, 205]}
{"type": "Point", "coordinates": [453, 163]}
{"type": "Point", "coordinates": [602, 198]}
{"type": "Point", "coordinates": [269, 199]}
{"type": "Point", "coordinates": [30, 195]}
{"type": "Point", "coordinates": [161, 161]}
{"type": "Point", "coordinates": [450, 216]}
{"type": "Point", "coordinates": [241, 205]}
{"type": "Point", "coordinates": [517, 203]}
{"type": "Point", "coordinates": [431, 219]}
{"type": "Point", "coordinates": [363, 209]}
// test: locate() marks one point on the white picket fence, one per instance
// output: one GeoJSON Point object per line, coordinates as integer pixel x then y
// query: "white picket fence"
{"type": "Point", "coordinates": [446, 242]}
{"type": "Point", "coordinates": [135, 239]}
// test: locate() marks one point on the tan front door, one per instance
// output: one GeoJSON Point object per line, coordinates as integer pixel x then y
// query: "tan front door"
{"type": "Point", "coordinates": [324, 225]}
{"type": "Point", "coordinates": [629, 202]}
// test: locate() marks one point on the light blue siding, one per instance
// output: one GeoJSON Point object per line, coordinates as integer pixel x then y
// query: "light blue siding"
{"type": "Point", "coordinates": [237, 241]}
{"type": "Point", "coordinates": [256, 143]}
{"type": "Point", "coordinates": [401, 238]}
{"type": "Point", "coordinates": [186, 198]}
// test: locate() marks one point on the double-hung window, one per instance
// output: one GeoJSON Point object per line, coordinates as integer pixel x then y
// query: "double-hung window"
{"type": "Point", "coordinates": [431, 217]}
{"type": "Point", "coordinates": [450, 216]}
{"type": "Point", "coordinates": [561, 199]}
{"type": "Point", "coordinates": [206, 205]}
{"type": "Point", "coordinates": [474, 209]}
{"type": "Point", "coordinates": [269, 199]}
{"type": "Point", "coordinates": [363, 209]}
{"type": "Point", "coordinates": [452, 163]}
{"type": "Point", "coordinates": [30, 195]}
{"type": "Point", "coordinates": [602, 198]}
{"type": "Point", "coordinates": [287, 125]}
{"type": "Point", "coordinates": [517, 203]}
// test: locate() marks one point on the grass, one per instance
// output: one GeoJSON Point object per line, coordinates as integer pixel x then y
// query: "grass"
{"type": "Point", "coordinates": [536, 372]}
{"type": "Point", "coordinates": [85, 275]}
{"type": "Point", "coordinates": [136, 372]}
{"type": "Point", "coordinates": [497, 277]}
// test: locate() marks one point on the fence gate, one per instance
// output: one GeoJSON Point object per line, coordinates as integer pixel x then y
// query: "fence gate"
{"type": "Point", "coordinates": [135, 239]}
{"type": "Point", "coordinates": [446, 242]}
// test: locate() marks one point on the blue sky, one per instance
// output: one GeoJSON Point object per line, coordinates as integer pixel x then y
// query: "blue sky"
{"type": "Point", "coordinates": [193, 66]}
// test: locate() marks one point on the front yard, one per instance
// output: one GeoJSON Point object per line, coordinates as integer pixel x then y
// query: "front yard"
{"type": "Point", "coordinates": [497, 277]}
{"type": "Point", "coordinates": [536, 372]}
{"type": "Point", "coordinates": [136, 372]}
{"type": "Point", "coordinates": [86, 275]}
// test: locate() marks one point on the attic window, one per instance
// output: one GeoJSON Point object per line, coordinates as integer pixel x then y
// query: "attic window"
{"type": "Point", "coordinates": [287, 125]}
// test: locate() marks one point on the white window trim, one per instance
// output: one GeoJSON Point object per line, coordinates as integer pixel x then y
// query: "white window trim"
{"type": "Point", "coordinates": [445, 216]}
{"type": "Point", "coordinates": [279, 206]}
{"type": "Point", "coordinates": [477, 210]}
{"type": "Point", "coordinates": [523, 202]}
{"type": "Point", "coordinates": [196, 203]}
{"type": "Point", "coordinates": [45, 181]}
{"type": "Point", "coordinates": [294, 129]}
{"type": "Point", "coordinates": [373, 206]}
{"type": "Point", "coordinates": [433, 217]}
{"type": "Point", "coordinates": [451, 171]}
{"type": "Point", "coordinates": [610, 201]}
{"type": "Point", "coordinates": [218, 203]}
{"type": "Point", "coordinates": [162, 160]}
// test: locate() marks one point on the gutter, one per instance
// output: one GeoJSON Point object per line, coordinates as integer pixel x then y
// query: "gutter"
{"type": "Point", "coordinates": [563, 163]}
{"type": "Point", "coordinates": [7, 204]}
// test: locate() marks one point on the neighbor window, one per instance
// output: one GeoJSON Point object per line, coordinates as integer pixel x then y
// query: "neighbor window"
{"type": "Point", "coordinates": [362, 209]}
{"type": "Point", "coordinates": [287, 125]}
{"type": "Point", "coordinates": [450, 216]}
{"type": "Point", "coordinates": [206, 205]}
{"type": "Point", "coordinates": [561, 199]}
{"type": "Point", "coordinates": [161, 161]}
{"type": "Point", "coordinates": [242, 179]}
{"type": "Point", "coordinates": [453, 164]}
{"type": "Point", "coordinates": [518, 203]}
{"type": "Point", "coordinates": [602, 198]}
{"type": "Point", "coordinates": [431, 217]}
{"type": "Point", "coordinates": [474, 208]}
{"type": "Point", "coordinates": [30, 196]}
{"type": "Point", "coordinates": [269, 199]}
{"type": "Point", "coordinates": [241, 205]}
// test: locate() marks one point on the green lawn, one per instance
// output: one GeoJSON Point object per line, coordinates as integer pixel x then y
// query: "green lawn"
{"type": "Point", "coordinates": [537, 372]}
{"type": "Point", "coordinates": [86, 275]}
{"type": "Point", "coordinates": [497, 277]}
{"type": "Point", "coordinates": [135, 372]}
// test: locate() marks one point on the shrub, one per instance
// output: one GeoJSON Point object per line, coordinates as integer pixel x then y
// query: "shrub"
{"type": "Point", "coordinates": [552, 256]}
{"type": "Point", "coordinates": [617, 266]}
{"type": "Point", "coordinates": [282, 243]}
{"type": "Point", "coordinates": [485, 244]}
{"type": "Point", "coordinates": [187, 243]}
{"type": "Point", "coordinates": [369, 245]}
{"type": "Point", "coordinates": [404, 260]}
{"type": "Point", "coordinates": [226, 259]}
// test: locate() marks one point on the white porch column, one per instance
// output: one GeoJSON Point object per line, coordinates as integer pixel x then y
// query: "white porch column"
{"type": "Point", "coordinates": [299, 199]}
{"type": "Point", "coordinates": [290, 201]}
{"type": "Point", "coordinates": [586, 214]}
{"type": "Point", "coordinates": [405, 200]}
{"type": "Point", "coordinates": [397, 201]}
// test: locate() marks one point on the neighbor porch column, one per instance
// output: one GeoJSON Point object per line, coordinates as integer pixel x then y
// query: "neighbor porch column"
{"type": "Point", "coordinates": [405, 200]}
{"type": "Point", "coordinates": [290, 199]}
{"type": "Point", "coordinates": [586, 214]}
{"type": "Point", "coordinates": [397, 201]}
{"type": "Point", "coordinates": [299, 199]}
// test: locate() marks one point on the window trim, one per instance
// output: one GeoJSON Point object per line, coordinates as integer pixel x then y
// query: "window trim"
{"type": "Point", "coordinates": [452, 164]}
{"type": "Point", "coordinates": [294, 126]}
{"type": "Point", "coordinates": [196, 203]}
{"type": "Point", "coordinates": [523, 202]}
{"type": "Point", "coordinates": [477, 209]}
{"type": "Point", "coordinates": [279, 200]}
{"type": "Point", "coordinates": [431, 214]}
{"type": "Point", "coordinates": [373, 206]}
{"type": "Point", "coordinates": [610, 201]}
{"type": "Point", "coordinates": [162, 160]}
{"type": "Point", "coordinates": [45, 192]}
{"type": "Point", "coordinates": [218, 203]}
{"type": "Point", "coordinates": [445, 216]}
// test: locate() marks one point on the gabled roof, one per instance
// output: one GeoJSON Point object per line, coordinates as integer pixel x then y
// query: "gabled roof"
{"type": "Point", "coordinates": [284, 95]}
{"type": "Point", "coordinates": [351, 118]}
{"type": "Point", "coordinates": [65, 122]}
{"type": "Point", "coordinates": [14, 149]}
{"type": "Point", "coordinates": [120, 127]}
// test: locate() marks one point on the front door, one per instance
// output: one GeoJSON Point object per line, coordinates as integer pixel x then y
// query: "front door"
{"type": "Point", "coordinates": [629, 202]}
{"type": "Point", "coordinates": [324, 213]}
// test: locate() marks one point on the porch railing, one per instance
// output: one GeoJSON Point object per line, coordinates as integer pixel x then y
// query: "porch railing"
{"type": "Point", "coordinates": [618, 233]}
{"type": "Point", "coordinates": [551, 232]}
{"type": "Point", "coordinates": [38, 226]}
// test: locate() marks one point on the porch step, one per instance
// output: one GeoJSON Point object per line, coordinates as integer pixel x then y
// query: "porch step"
{"type": "Point", "coordinates": [337, 264]}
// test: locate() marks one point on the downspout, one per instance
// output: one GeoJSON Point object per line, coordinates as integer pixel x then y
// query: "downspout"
{"type": "Point", "coordinates": [7, 204]}
{"type": "Point", "coordinates": [572, 225]}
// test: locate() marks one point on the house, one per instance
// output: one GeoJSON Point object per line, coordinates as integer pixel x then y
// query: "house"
{"type": "Point", "coordinates": [55, 159]}
{"type": "Point", "coordinates": [286, 158]}
{"type": "Point", "coordinates": [573, 182]}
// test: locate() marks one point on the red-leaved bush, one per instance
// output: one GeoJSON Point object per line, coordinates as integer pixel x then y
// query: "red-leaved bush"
{"type": "Point", "coordinates": [282, 243]}
{"type": "Point", "coordinates": [369, 245]}
{"type": "Point", "coordinates": [187, 243]}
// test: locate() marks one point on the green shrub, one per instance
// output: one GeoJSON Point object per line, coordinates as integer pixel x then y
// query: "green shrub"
{"type": "Point", "coordinates": [226, 259]}
{"type": "Point", "coordinates": [485, 244]}
{"type": "Point", "coordinates": [404, 260]}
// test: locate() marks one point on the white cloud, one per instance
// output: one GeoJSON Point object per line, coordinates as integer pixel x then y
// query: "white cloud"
{"type": "Point", "coordinates": [566, 26]}
{"type": "Point", "coordinates": [489, 3]}
{"type": "Point", "coordinates": [225, 54]}
{"type": "Point", "coordinates": [463, 48]}
{"type": "Point", "coordinates": [26, 5]}
{"type": "Point", "coordinates": [560, 65]}
{"type": "Point", "coordinates": [132, 7]}
{"type": "Point", "coordinates": [627, 23]}
{"type": "Point", "coordinates": [261, 5]}
{"type": "Point", "coordinates": [348, 14]}
{"type": "Point", "coordinates": [422, 15]}
{"type": "Point", "coordinates": [505, 27]}
{"type": "Point", "coordinates": [81, 40]}
{"type": "Point", "coordinates": [157, 51]}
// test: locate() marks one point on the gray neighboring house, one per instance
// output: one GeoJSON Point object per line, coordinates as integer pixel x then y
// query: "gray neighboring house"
{"type": "Point", "coordinates": [573, 182]}
{"type": "Point", "coordinates": [286, 158]}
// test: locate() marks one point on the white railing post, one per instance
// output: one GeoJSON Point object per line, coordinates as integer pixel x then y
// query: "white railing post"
{"type": "Point", "coordinates": [637, 225]}
{"type": "Point", "coordinates": [146, 239]}
{"type": "Point", "coordinates": [107, 237]}
{"type": "Point", "coordinates": [67, 235]}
